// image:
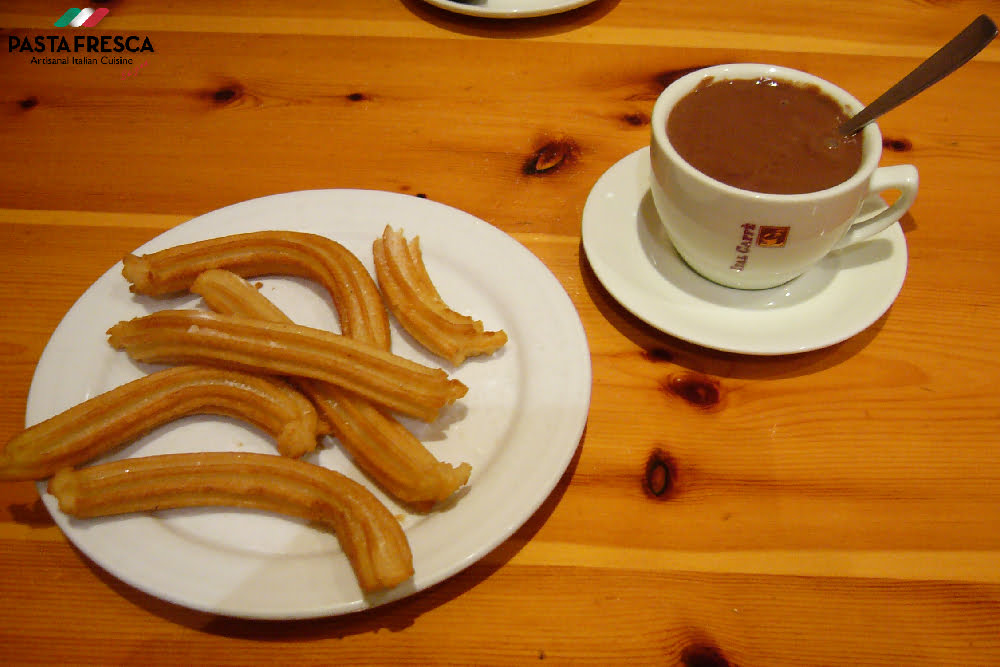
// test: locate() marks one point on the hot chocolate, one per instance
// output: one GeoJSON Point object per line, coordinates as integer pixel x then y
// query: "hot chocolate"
{"type": "Point", "coordinates": [764, 135]}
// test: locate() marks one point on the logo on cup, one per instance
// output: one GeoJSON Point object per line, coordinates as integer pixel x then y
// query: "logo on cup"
{"type": "Point", "coordinates": [772, 237]}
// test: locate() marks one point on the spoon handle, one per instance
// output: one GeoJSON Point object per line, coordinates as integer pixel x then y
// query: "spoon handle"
{"type": "Point", "coordinates": [948, 58]}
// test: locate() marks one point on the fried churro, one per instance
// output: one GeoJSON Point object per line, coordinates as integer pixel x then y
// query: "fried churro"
{"type": "Point", "coordinates": [123, 414]}
{"type": "Point", "coordinates": [382, 447]}
{"type": "Point", "coordinates": [311, 256]}
{"type": "Point", "coordinates": [413, 299]}
{"type": "Point", "coordinates": [191, 336]}
{"type": "Point", "coordinates": [371, 537]}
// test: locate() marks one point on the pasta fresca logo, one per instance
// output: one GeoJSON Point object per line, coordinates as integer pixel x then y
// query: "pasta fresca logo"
{"type": "Point", "coordinates": [84, 47]}
{"type": "Point", "coordinates": [87, 17]}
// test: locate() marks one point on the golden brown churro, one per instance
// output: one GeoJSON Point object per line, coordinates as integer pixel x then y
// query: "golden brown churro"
{"type": "Point", "coordinates": [415, 302]}
{"type": "Point", "coordinates": [381, 446]}
{"type": "Point", "coordinates": [311, 256]}
{"type": "Point", "coordinates": [385, 450]}
{"type": "Point", "coordinates": [190, 336]}
{"type": "Point", "coordinates": [371, 537]}
{"type": "Point", "coordinates": [227, 293]}
{"type": "Point", "coordinates": [125, 413]}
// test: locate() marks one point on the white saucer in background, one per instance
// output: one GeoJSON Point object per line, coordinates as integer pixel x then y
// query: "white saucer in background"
{"type": "Point", "coordinates": [632, 257]}
{"type": "Point", "coordinates": [508, 9]}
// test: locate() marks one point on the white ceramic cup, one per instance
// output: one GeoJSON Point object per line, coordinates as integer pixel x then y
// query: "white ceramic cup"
{"type": "Point", "coordinates": [752, 240]}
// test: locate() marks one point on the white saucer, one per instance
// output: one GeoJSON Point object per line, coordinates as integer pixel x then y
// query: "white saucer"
{"type": "Point", "coordinates": [508, 9]}
{"type": "Point", "coordinates": [628, 249]}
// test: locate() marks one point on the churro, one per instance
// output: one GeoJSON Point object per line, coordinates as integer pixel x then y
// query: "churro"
{"type": "Point", "coordinates": [370, 536]}
{"type": "Point", "coordinates": [354, 293]}
{"type": "Point", "coordinates": [191, 336]}
{"type": "Point", "coordinates": [381, 447]}
{"type": "Point", "coordinates": [123, 414]}
{"type": "Point", "coordinates": [419, 308]}
{"type": "Point", "coordinates": [227, 293]}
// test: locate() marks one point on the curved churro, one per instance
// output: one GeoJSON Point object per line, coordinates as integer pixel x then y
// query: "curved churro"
{"type": "Point", "coordinates": [125, 413]}
{"type": "Point", "coordinates": [385, 450]}
{"type": "Point", "coordinates": [381, 446]}
{"type": "Point", "coordinates": [190, 336]}
{"type": "Point", "coordinates": [354, 294]}
{"type": "Point", "coordinates": [371, 537]}
{"type": "Point", "coordinates": [413, 299]}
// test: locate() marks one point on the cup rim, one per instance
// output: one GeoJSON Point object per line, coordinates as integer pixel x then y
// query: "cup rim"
{"type": "Point", "coordinates": [872, 136]}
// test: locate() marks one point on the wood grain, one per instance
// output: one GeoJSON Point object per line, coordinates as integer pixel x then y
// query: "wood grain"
{"type": "Point", "coordinates": [835, 507]}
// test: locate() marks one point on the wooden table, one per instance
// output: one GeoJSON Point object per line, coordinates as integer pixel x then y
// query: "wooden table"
{"type": "Point", "coordinates": [840, 506]}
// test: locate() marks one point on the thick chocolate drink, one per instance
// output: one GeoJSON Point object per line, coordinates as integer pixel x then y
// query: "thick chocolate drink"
{"type": "Point", "coordinates": [764, 135]}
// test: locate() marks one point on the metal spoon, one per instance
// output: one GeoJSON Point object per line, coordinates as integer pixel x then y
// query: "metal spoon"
{"type": "Point", "coordinates": [949, 58]}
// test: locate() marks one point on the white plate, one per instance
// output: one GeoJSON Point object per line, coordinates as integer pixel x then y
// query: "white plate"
{"type": "Point", "coordinates": [633, 258]}
{"type": "Point", "coordinates": [519, 425]}
{"type": "Point", "coordinates": [508, 9]}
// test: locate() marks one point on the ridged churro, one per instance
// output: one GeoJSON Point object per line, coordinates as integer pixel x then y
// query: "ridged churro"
{"type": "Point", "coordinates": [191, 336]}
{"type": "Point", "coordinates": [371, 537]}
{"type": "Point", "coordinates": [123, 414]}
{"type": "Point", "coordinates": [413, 299]}
{"type": "Point", "coordinates": [386, 450]}
{"type": "Point", "coordinates": [382, 447]}
{"type": "Point", "coordinates": [227, 293]}
{"type": "Point", "coordinates": [354, 293]}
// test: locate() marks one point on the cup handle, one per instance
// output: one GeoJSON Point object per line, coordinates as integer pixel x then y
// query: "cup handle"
{"type": "Point", "coordinates": [901, 177]}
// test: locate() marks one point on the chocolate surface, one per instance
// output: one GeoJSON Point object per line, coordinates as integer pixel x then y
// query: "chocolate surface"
{"type": "Point", "coordinates": [765, 135]}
